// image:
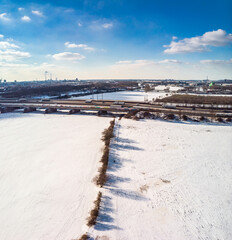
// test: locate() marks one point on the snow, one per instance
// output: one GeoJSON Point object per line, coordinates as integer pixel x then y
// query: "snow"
{"type": "Point", "coordinates": [171, 88]}
{"type": "Point", "coordinates": [44, 97]}
{"type": "Point", "coordinates": [47, 163]}
{"type": "Point", "coordinates": [167, 180]}
{"type": "Point", "coordinates": [125, 96]}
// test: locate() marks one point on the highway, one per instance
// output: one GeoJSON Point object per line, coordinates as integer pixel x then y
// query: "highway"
{"type": "Point", "coordinates": [115, 107]}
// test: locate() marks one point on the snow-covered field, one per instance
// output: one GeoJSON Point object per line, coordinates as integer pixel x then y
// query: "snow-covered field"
{"type": "Point", "coordinates": [125, 95]}
{"type": "Point", "coordinates": [168, 181]}
{"type": "Point", "coordinates": [47, 163]}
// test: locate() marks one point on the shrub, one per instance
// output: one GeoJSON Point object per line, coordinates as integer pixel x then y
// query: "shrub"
{"type": "Point", "coordinates": [131, 113]}
{"type": "Point", "coordinates": [219, 119]}
{"type": "Point", "coordinates": [135, 118]}
{"type": "Point", "coordinates": [121, 115]}
{"type": "Point", "coordinates": [147, 114]}
{"type": "Point", "coordinates": [184, 117]}
{"type": "Point", "coordinates": [170, 116]}
{"type": "Point", "coordinates": [195, 120]}
{"type": "Point", "coordinates": [92, 219]}
{"type": "Point", "coordinates": [202, 118]}
{"type": "Point", "coordinates": [107, 135]}
{"type": "Point", "coordinates": [84, 237]}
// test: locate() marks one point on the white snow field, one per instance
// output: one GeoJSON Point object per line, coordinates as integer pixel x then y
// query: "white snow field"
{"type": "Point", "coordinates": [125, 96]}
{"type": "Point", "coordinates": [47, 163]}
{"type": "Point", "coordinates": [168, 181]}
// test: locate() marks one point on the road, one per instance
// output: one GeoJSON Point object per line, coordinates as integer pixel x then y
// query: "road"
{"type": "Point", "coordinates": [118, 106]}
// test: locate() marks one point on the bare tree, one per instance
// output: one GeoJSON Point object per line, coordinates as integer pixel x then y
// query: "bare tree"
{"type": "Point", "coordinates": [147, 88]}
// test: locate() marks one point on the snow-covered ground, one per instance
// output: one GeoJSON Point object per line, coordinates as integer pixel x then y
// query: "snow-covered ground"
{"type": "Point", "coordinates": [125, 95]}
{"type": "Point", "coordinates": [47, 163]}
{"type": "Point", "coordinates": [171, 88]}
{"type": "Point", "coordinates": [167, 181]}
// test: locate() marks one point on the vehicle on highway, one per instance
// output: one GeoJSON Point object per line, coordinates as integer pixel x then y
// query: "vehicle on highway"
{"type": "Point", "coordinates": [116, 106]}
{"type": "Point", "coordinates": [169, 106]}
{"type": "Point", "coordinates": [140, 107]}
{"type": "Point", "coordinates": [118, 103]}
{"type": "Point", "coordinates": [44, 100]}
{"type": "Point", "coordinates": [22, 100]}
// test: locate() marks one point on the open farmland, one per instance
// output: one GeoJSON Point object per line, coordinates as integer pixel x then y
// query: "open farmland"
{"type": "Point", "coordinates": [47, 163]}
{"type": "Point", "coordinates": [167, 180]}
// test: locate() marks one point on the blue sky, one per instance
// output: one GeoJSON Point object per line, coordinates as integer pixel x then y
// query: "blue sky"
{"type": "Point", "coordinates": [116, 39]}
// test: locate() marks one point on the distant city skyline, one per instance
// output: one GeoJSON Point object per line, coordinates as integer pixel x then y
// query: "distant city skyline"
{"type": "Point", "coordinates": [109, 39]}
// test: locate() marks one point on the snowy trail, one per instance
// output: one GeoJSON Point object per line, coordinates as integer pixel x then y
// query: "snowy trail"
{"type": "Point", "coordinates": [47, 163]}
{"type": "Point", "coordinates": [168, 181]}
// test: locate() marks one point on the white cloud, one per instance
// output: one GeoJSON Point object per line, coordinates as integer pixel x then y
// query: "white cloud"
{"type": "Point", "coordinates": [87, 48]}
{"type": "Point", "coordinates": [6, 45]}
{"type": "Point", "coordinates": [136, 63]}
{"type": "Point", "coordinates": [13, 65]}
{"type": "Point", "coordinates": [3, 16]}
{"type": "Point", "coordinates": [124, 62]}
{"type": "Point", "coordinates": [102, 24]}
{"type": "Point", "coordinates": [170, 61]}
{"type": "Point", "coordinates": [145, 62]}
{"type": "Point", "coordinates": [83, 46]}
{"type": "Point", "coordinates": [68, 56]}
{"type": "Point", "coordinates": [174, 38]}
{"type": "Point", "coordinates": [10, 52]}
{"type": "Point", "coordinates": [79, 24]}
{"type": "Point", "coordinates": [45, 64]}
{"type": "Point", "coordinates": [12, 55]}
{"type": "Point", "coordinates": [26, 19]}
{"type": "Point", "coordinates": [38, 13]}
{"type": "Point", "coordinates": [20, 9]}
{"type": "Point", "coordinates": [1, 36]}
{"type": "Point", "coordinates": [70, 45]}
{"type": "Point", "coordinates": [33, 66]}
{"type": "Point", "coordinates": [107, 25]}
{"type": "Point", "coordinates": [209, 61]}
{"type": "Point", "coordinates": [199, 44]}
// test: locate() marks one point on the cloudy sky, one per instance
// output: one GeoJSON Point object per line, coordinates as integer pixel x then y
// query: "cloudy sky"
{"type": "Point", "coordinates": [113, 39]}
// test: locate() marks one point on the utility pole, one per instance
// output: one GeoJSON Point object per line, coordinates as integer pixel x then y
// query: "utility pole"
{"type": "Point", "coordinates": [92, 95]}
{"type": "Point", "coordinates": [45, 75]}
